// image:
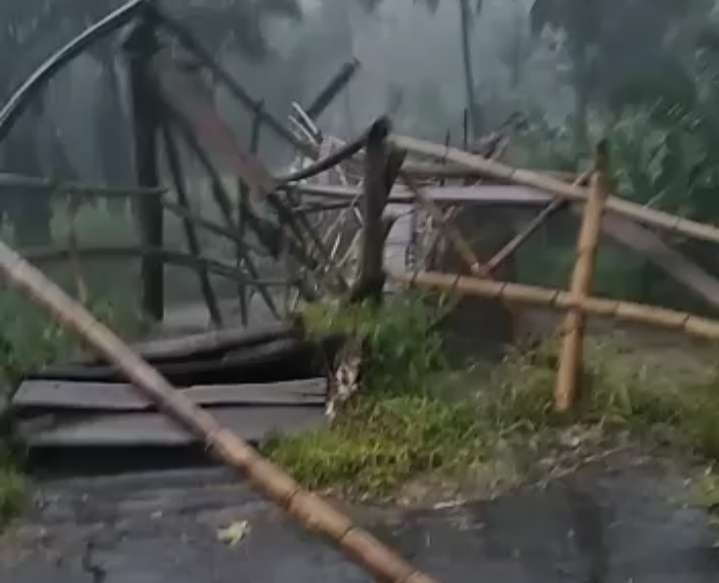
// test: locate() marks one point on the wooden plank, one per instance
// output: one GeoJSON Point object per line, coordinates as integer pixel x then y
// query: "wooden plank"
{"type": "Point", "coordinates": [124, 397]}
{"type": "Point", "coordinates": [210, 343]}
{"type": "Point", "coordinates": [279, 358]}
{"type": "Point", "coordinates": [253, 424]}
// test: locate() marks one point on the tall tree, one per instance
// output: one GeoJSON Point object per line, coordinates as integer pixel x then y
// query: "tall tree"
{"type": "Point", "coordinates": [613, 45]}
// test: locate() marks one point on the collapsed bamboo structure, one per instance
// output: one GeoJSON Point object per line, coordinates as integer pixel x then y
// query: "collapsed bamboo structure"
{"type": "Point", "coordinates": [310, 510]}
{"type": "Point", "coordinates": [634, 313]}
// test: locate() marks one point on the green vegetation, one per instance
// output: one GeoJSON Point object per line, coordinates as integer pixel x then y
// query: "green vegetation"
{"type": "Point", "coordinates": [415, 417]}
{"type": "Point", "coordinates": [29, 340]}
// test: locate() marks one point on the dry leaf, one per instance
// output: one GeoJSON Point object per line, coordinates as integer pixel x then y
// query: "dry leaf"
{"type": "Point", "coordinates": [233, 534]}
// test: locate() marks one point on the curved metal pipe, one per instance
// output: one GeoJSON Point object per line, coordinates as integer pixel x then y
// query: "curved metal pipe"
{"type": "Point", "coordinates": [20, 99]}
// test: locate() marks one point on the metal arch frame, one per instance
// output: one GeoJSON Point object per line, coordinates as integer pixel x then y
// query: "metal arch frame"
{"type": "Point", "coordinates": [20, 99]}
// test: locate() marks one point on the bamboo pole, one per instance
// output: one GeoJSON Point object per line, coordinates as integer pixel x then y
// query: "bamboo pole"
{"type": "Point", "coordinates": [504, 172]}
{"type": "Point", "coordinates": [193, 242]}
{"type": "Point", "coordinates": [690, 324]}
{"type": "Point", "coordinates": [308, 509]}
{"type": "Point", "coordinates": [570, 359]}
{"type": "Point", "coordinates": [550, 210]}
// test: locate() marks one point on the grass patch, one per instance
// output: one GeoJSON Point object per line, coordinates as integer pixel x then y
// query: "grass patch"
{"type": "Point", "coordinates": [416, 417]}
{"type": "Point", "coordinates": [404, 351]}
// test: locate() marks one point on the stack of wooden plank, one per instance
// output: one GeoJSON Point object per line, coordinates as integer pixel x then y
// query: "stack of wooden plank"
{"type": "Point", "coordinates": [256, 382]}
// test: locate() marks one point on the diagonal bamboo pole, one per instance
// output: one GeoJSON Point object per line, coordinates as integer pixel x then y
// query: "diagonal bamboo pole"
{"type": "Point", "coordinates": [690, 324]}
{"type": "Point", "coordinates": [310, 510]}
{"type": "Point", "coordinates": [504, 172]}
{"type": "Point", "coordinates": [570, 359]}
{"type": "Point", "coordinates": [550, 210]}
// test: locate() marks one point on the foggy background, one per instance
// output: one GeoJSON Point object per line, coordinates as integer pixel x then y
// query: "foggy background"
{"type": "Point", "coordinates": [642, 72]}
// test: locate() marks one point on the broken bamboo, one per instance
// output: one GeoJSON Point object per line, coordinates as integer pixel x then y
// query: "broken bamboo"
{"type": "Point", "coordinates": [690, 324]}
{"type": "Point", "coordinates": [570, 359]}
{"type": "Point", "coordinates": [308, 509]}
{"type": "Point", "coordinates": [504, 172]}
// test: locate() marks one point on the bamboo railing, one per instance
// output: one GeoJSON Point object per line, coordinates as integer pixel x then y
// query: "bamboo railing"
{"type": "Point", "coordinates": [497, 170]}
{"type": "Point", "coordinates": [690, 324]}
{"type": "Point", "coordinates": [308, 509]}
{"type": "Point", "coordinates": [570, 360]}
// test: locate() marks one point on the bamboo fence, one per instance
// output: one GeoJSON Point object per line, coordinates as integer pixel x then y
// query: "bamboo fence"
{"type": "Point", "coordinates": [690, 324]}
{"type": "Point", "coordinates": [497, 170]}
{"type": "Point", "coordinates": [310, 510]}
{"type": "Point", "coordinates": [570, 360]}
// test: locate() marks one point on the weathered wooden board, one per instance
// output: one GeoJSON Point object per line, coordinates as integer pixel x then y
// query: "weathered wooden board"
{"type": "Point", "coordinates": [254, 424]}
{"type": "Point", "coordinates": [48, 394]}
{"type": "Point", "coordinates": [285, 359]}
{"type": "Point", "coordinates": [209, 343]}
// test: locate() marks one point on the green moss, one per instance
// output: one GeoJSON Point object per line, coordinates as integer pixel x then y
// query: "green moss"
{"type": "Point", "coordinates": [380, 442]}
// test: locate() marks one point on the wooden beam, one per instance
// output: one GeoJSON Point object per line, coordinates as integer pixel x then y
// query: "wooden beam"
{"type": "Point", "coordinates": [370, 280]}
{"type": "Point", "coordinates": [140, 46]}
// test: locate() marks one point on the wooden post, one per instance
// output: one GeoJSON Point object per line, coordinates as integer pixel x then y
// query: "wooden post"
{"type": "Point", "coordinates": [140, 46]}
{"type": "Point", "coordinates": [570, 360]}
{"type": "Point", "coordinates": [193, 242]}
{"type": "Point", "coordinates": [308, 509]}
{"type": "Point", "coordinates": [378, 179]}
{"type": "Point", "coordinates": [243, 206]}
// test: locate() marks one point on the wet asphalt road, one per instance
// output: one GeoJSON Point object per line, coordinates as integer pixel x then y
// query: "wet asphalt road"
{"type": "Point", "coordinates": [597, 527]}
